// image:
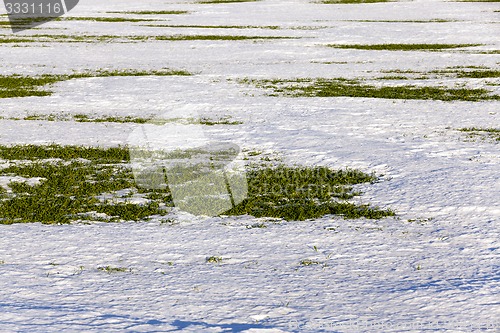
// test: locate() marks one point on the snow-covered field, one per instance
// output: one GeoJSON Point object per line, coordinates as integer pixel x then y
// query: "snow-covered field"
{"type": "Point", "coordinates": [435, 267]}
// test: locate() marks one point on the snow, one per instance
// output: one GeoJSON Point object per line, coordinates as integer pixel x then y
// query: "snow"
{"type": "Point", "coordinates": [435, 267]}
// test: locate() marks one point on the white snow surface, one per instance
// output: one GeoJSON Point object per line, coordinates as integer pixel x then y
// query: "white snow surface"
{"type": "Point", "coordinates": [433, 268]}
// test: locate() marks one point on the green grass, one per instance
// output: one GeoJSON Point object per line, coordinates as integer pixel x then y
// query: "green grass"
{"type": "Point", "coordinates": [221, 121]}
{"type": "Point", "coordinates": [401, 47]}
{"type": "Point", "coordinates": [214, 259]}
{"type": "Point", "coordinates": [330, 2]}
{"type": "Point", "coordinates": [483, 133]}
{"type": "Point", "coordinates": [110, 269]}
{"type": "Point", "coordinates": [479, 74]}
{"type": "Point", "coordinates": [83, 118]}
{"type": "Point", "coordinates": [76, 183]}
{"type": "Point", "coordinates": [404, 21]}
{"type": "Point", "coordinates": [47, 38]}
{"type": "Point", "coordinates": [392, 77]}
{"type": "Point", "coordinates": [153, 12]}
{"type": "Point", "coordinates": [105, 19]}
{"type": "Point", "coordinates": [72, 179]}
{"type": "Point", "coordinates": [24, 86]}
{"type": "Point", "coordinates": [300, 193]}
{"type": "Point", "coordinates": [69, 190]}
{"type": "Point", "coordinates": [270, 27]}
{"type": "Point", "coordinates": [467, 72]}
{"type": "Point", "coordinates": [216, 37]}
{"type": "Point", "coordinates": [67, 153]}
{"type": "Point", "coordinates": [340, 87]}
{"type": "Point", "coordinates": [309, 262]}
{"type": "Point", "coordinates": [26, 22]}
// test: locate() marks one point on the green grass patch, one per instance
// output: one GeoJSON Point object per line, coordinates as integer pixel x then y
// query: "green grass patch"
{"type": "Point", "coordinates": [217, 37]}
{"type": "Point", "coordinates": [153, 12]}
{"type": "Point", "coordinates": [404, 21]}
{"type": "Point", "coordinates": [270, 27]}
{"type": "Point", "coordinates": [392, 77]}
{"type": "Point", "coordinates": [300, 193]}
{"type": "Point", "coordinates": [482, 133]}
{"type": "Point", "coordinates": [468, 72]}
{"type": "Point", "coordinates": [83, 118]}
{"type": "Point", "coordinates": [68, 190]}
{"type": "Point", "coordinates": [66, 153]}
{"type": "Point", "coordinates": [220, 121]}
{"type": "Point", "coordinates": [14, 40]}
{"type": "Point", "coordinates": [71, 183]}
{"type": "Point", "coordinates": [105, 19]}
{"type": "Point", "coordinates": [110, 269]}
{"type": "Point", "coordinates": [47, 38]}
{"type": "Point", "coordinates": [401, 47]}
{"type": "Point", "coordinates": [26, 22]}
{"type": "Point", "coordinates": [479, 74]}
{"type": "Point", "coordinates": [213, 259]}
{"type": "Point", "coordinates": [23, 86]}
{"type": "Point", "coordinates": [309, 262]}
{"type": "Point", "coordinates": [340, 87]}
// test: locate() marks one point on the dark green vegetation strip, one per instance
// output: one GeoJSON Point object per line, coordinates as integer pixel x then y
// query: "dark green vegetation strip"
{"type": "Point", "coordinates": [467, 72]}
{"type": "Point", "coordinates": [401, 47]}
{"type": "Point", "coordinates": [340, 87]}
{"type": "Point", "coordinates": [23, 86]}
{"type": "Point", "coordinates": [76, 182]}
{"type": "Point", "coordinates": [479, 74]}
{"type": "Point", "coordinates": [299, 193]}
{"type": "Point", "coordinates": [490, 133]}
{"type": "Point", "coordinates": [105, 19]}
{"type": "Point", "coordinates": [46, 38]}
{"type": "Point", "coordinates": [27, 22]}
{"type": "Point", "coordinates": [35, 152]}
{"type": "Point", "coordinates": [270, 27]}
{"type": "Point", "coordinates": [69, 187]}
{"type": "Point", "coordinates": [216, 37]}
{"type": "Point", "coordinates": [83, 118]}
{"type": "Point", "coordinates": [153, 12]}
{"type": "Point", "coordinates": [404, 21]}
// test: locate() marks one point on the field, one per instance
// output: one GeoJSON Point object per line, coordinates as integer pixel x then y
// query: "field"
{"type": "Point", "coordinates": [363, 138]}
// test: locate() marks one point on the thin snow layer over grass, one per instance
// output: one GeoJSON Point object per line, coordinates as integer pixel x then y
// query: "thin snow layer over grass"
{"type": "Point", "coordinates": [434, 267]}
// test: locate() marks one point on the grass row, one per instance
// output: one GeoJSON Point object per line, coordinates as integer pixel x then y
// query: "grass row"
{"type": "Point", "coordinates": [23, 86]}
{"type": "Point", "coordinates": [82, 118]}
{"type": "Point", "coordinates": [469, 72]}
{"type": "Point", "coordinates": [77, 183]}
{"type": "Point", "coordinates": [401, 47]}
{"type": "Point", "coordinates": [483, 133]}
{"type": "Point", "coordinates": [340, 87]}
{"type": "Point", "coordinates": [47, 38]}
